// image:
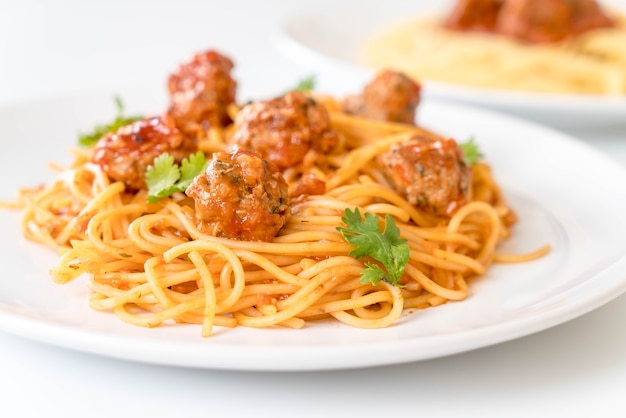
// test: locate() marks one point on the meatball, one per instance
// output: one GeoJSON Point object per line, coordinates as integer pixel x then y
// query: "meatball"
{"type": "Point", "coordinates": [201, 91]}
{"type": "Point", "coordinates": [430, 172]}
{"type": "Point", "coordinates": [240, 196]}
{"type": "Point", "coordinates": [588, 15]}
{"type": "Point", "coordinates": [309, 184]}
{"type": "Point", "coordinates": [284, 129]}
{"type": "Point", "coordinates": [550, 20]}
{"type": "Point", "coordinates": [534, 21]}
{"type": "Point", "coordinates": [391, 96]}
{"type": "Point", "coordinates": [125, 154]}
{"type": "Point", "coordinates": [474, 15]}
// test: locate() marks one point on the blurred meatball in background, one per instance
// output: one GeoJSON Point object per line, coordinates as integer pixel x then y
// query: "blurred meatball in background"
{"type": "Point", "coordinates": [391, 96]}
{"type": "Point", "coordinates": [201, 91]}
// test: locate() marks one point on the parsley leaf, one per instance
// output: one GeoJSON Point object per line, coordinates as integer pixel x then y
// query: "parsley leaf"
{"type": "Point", "coordinates": [89, 139]}
{"type": "Point", "coordinates": [191, 167]}
{"type": "Point", "coordinates": [306, 84]}
{"type": "Point", "coordinates": [386, 247]}
{"type": "Point", "coordinates": [471, 151]}
{"type": "Point", "coordinates": [164, 177]}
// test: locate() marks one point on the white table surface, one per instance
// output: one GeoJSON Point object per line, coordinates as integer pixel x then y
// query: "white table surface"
{"type": "Point", "coordinates": [577, 369]}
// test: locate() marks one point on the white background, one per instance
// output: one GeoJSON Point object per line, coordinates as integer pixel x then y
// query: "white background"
{"type": "Point", "coordinates": [54, 48]}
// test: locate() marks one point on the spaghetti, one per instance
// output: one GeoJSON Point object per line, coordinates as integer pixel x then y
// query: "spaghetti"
{"type": "Point", "coordinates": [151, 263]}
{"type": "Point", "coordinates": [593, 62]}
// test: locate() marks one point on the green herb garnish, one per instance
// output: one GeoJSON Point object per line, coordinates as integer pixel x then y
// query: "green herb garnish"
{"type": "Point", "coordinates": [164, 177]}
{"type": "Point", "coordinates": [306, 84]}
{"type": "Point", "coordinates": [99, 131]}
{"type": "Point", "coordinates": [471, 151]}
{"type": "Point", "coordinates": [386, 247]}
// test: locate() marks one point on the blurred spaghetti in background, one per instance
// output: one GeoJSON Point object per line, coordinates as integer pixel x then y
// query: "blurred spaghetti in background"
{"type": "Point", "coordinates": [552, 46]}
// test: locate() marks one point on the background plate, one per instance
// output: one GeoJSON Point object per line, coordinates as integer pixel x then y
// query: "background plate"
{"type": "Point", "coordinates": [322, 41]}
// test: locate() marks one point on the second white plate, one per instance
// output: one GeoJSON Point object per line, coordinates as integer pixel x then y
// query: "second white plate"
{"type": "Point", "coordinates": [327, 38]}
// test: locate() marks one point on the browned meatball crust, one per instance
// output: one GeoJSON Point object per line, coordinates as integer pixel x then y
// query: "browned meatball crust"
{"type": "Point", "coordinates": [550, 20]}
{"type": "Point", "coordinates": [430, 172]}
{"type": "Point", "coordinates": [309, 184]}
{"type": "Point", "coordinates": [201, 91]}
{"type": "Point", "coordinates": [391, 96]}
{"type": "Point", "coordinates": [533, 21]}
{"type": "Point", "coordinates": [284, 129]}
{"type": "Point", "coordinates": [474, 15]}
{"type": "Point", "coordinates": [125, 154]}
{"type": "Point", "coordinates": [240, 196]}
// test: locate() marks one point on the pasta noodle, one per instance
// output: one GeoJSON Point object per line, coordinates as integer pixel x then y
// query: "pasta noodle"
{"type": "Point", "coordinates": [591, 63]}
{"type": "Point", "coordinates": [150, 264]}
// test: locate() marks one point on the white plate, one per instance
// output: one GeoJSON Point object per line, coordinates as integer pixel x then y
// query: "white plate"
{"type": "Point", "coordinates": [326, 40]}
{"type": "Point", "coordinates": [562, 190]}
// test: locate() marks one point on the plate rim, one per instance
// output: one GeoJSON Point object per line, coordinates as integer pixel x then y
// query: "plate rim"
{"type": "Point", "coordinates": [72, 338]}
